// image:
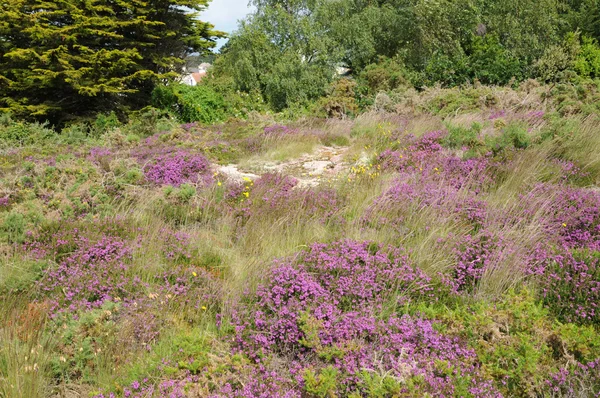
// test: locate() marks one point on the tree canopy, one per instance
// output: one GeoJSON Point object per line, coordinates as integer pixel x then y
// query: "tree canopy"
{"type": "Point", "coordinates": [67, 59]}
{"type": "Point", "coordinates": [288, 49]}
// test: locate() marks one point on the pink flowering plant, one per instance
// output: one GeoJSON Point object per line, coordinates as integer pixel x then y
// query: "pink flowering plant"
{"type": "Point", "coordinates": [318, 312]}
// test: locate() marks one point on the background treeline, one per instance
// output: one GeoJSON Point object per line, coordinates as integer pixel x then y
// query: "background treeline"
{"type": "Point", "coordinates": [65, 61]}
{"type": "Point", "coordinates": [287, 51]}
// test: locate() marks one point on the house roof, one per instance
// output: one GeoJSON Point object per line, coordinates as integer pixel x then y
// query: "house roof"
{"type": "Point", "coordinates": [198, 76]}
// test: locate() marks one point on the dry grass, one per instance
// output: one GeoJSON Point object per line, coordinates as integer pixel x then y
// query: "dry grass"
{"type": "Point", "coordinates": [24, 356]}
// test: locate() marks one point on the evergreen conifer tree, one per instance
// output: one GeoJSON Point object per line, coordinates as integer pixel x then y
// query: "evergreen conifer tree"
{"type": "Point", "coordinates": [67, 59]}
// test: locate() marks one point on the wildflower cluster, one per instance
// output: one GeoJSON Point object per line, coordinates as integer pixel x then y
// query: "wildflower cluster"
{"type": "Point", "coordinates": [369, 170]}
{"type": "Point", "coordinates": [90, 275]}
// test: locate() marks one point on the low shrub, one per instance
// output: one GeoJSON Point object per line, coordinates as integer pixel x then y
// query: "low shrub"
{"type": "Point", "coordinates": [459, 137]}
{"type": "Point", "coordinates": [341, 99]}
{"type": "Point", "coordinates": [178, 168]}
{"type": "Point", "coordinates": [513, 136]}
{"type": "Point", "coordinates": [320, 310]}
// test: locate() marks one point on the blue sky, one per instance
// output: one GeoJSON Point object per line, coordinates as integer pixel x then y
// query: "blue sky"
{"type": "Point", "coordinates": [224, 14]}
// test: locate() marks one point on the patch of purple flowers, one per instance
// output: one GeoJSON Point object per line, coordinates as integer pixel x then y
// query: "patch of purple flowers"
{"type": "Point", "coordinates": [320, 310]}
{"type": "Point", "coordinates": [178, 168]}
{"type": "Point", "coordinates": [90, 275]}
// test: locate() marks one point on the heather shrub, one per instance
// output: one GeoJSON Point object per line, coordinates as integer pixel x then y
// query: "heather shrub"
{"type": "Point", "coordinates": [277, 195]}
{"type": "Point", "coordinates": [405, 199]}
{"type": "Point", "coordinates": [178, 168]}
{"type": "Point", "coordinates": [573, 216]}
{"type": "Point", "coordinates": [425, 159]}
{"type": "Point", "coordinates": [176, 245]}
{"type": "Point", "coordinates": [570, 285]}
{"type": "Point", "coordinates": [319, 311]}
{"type": "Point", "coordinates": [474, 255]}
{"type": "Point", "coordinates": [90, 275]}
{"type": "Point", "coordinates": [578, 380]}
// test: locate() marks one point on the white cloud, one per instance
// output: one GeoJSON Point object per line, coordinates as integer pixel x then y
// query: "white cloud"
{"type": "Point", "coordinates": [224, 14]}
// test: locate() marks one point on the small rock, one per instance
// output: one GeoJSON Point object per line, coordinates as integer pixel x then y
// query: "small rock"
{"type": "Point", "coordinates": [318, 167]}
{"type": "Point", "coordinates": [232, 173]}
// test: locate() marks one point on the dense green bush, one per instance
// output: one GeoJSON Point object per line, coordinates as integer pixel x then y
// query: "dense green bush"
{"type": "Point", "coordinates": [459, 136]}
{"type": "Point", "coordinates": [239, 104]}
{"type": "Point", "coordinates": [557, 62]}
{"type": "Point", "coordinates": [142, 123]}
{"type": "Point", "coordinates": [13, 227]}
{"type": "Point", "coordinates": [448, 70]}
{"type": "Point", "coordinates": [512, 136]}
{"type": "Point", "coordinates": [191, 104]}
{"type": "Point", "coordinates": [14, 132]}
{"type": "Point", "coordinates": [341, 100]}
{"type": "Point", "coordinates": [385, 75]}
{"type": "Point", "coordinates": [484, 59]}
{"type": "Point", "coordinates": [104, 123]}
{"type": "Point", "coordinates": [587, 63]}
{"type": "Point", "coordinates": [491, 63]}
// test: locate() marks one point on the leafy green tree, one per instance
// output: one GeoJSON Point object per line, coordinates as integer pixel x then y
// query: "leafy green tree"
{"type": "Point", "coordinates": [526, 27]}
{"type": "Point", "coordinates": [558, 61]}
{"type": "Point", "coordinates": [282, 51]}
{"type": "Point", "coordinates": [584, 16]}
{"type": "Point", "coordinates": [365, 31]}
{"type": "Point", "coordinates": [441, 30]}
{"type": "Point", "coordinates": [67, 59]}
